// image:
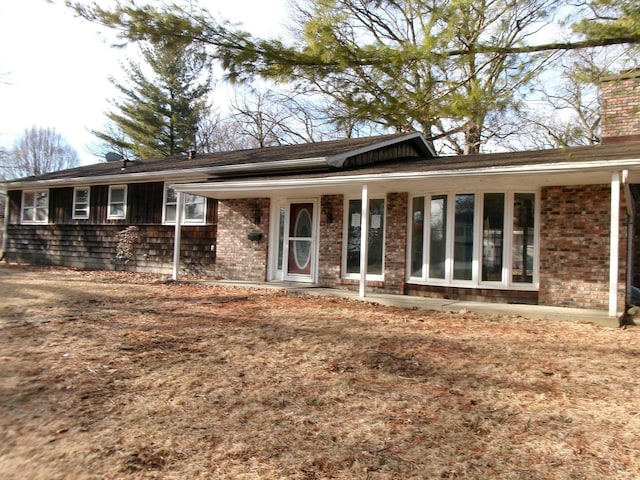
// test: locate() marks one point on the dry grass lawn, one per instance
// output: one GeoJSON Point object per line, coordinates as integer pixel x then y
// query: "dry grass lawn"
{"type": "Point", "coordinates": [107, 375]}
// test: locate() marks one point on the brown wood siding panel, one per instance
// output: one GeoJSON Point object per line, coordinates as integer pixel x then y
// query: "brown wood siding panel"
{"type": "Point", "coordinates": [15, 204]}
{"type": "Point", "coordinates": [144, 202]}
{"type": "Point", "coordinates": [212, 211]}
{"type": "Point", "coordinates": [94, 246]}
{"type": "Point", "coordinates": [98, 209]}
{"type": "Point", "coordinates": [60, 204]}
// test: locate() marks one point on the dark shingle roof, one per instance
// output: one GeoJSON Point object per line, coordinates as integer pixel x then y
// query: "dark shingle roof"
{"type": "Point", "coordinates": [325, 149]}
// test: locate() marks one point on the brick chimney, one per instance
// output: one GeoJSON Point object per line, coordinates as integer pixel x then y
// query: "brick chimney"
{"type": "Point", "coordinates": [620, 98]}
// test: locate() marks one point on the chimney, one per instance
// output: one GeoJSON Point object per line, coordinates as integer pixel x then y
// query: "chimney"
{"type": "Point", "coordinates": [620, 99]}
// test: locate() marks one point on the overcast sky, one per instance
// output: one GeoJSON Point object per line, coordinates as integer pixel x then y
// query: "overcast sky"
{"type": "Point", "coordinates": [54, 68]}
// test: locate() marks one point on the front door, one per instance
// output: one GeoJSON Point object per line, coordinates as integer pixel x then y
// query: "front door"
{"type": "Point", "coordinates": [300, 245]}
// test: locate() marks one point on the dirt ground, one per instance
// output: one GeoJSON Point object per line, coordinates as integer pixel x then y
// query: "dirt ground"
{"type": "Point", "coordinates": [112, 375]}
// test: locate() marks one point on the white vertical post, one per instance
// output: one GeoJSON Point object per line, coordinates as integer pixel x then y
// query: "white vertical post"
{"type": "Point", "coordinates": [5, 227]}
{"type": "Point", "coordinates": [177, 236]}
{"type": "Point", "coordinates": [364, 240]}
{"type": "Point", "coordinates": [614, 241]}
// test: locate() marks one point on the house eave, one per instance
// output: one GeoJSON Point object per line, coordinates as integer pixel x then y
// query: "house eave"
{"type": "Point", "coordinates": [333, 183]}
{"type": "Point", "coordinates": [191, 175]}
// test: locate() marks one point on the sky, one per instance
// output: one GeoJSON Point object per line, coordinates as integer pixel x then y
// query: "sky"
{"type": "Point", "coordinates": [55, 68]}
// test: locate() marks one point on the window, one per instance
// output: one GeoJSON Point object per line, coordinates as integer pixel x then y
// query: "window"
{"type": "Point", "coordinates": [193, 209]}
{"type": "Point", "coordinates": [117, 208]}
{"type": "Point", "coordinates": [81, 203]}
{"type": "Point", "coordinates": [375, 246]}
{"type": "Point", "coordinates": [35, 206]}
{"type": "Point", "coordinates": [484, 239]}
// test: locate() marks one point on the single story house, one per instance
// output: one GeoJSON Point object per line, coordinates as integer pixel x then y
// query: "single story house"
{"type": "Point", "coordinates": [550, 227]}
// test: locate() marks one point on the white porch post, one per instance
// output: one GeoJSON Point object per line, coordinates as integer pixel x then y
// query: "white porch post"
{"type": "Point", "coordinates": [5, 227]}
{"type": "Point", "coordinates": [614, 242]}
{"type": "Point", "coordinates": [177, 236]}
{"type": "Point", "coordinates": [364, 244]}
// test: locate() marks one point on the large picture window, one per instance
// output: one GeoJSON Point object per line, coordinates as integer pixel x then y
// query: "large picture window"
{"type": "Point", "coordinates": [375, 246]}
{"type": "Point", "coordinates": [35, 206]}
{"type": "Point", "coordinates": [484, 239]}
{"type": "Point", "coordinates": [193, 207]}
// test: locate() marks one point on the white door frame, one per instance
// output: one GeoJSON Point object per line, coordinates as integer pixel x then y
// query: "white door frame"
{"type": "Point", "coordinates": [274, 273]}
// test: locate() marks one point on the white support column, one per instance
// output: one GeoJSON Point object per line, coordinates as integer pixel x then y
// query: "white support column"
{"type": "Point", "coordinates": [614, 243]}
{"type": "Point", "coordinates": [5, 226]}
{"type": "Point", "coordinates": [364, 240]}
{"type": "Point", "coordinates": [177, 236]}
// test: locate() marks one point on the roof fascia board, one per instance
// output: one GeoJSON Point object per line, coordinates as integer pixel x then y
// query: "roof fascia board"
{"type": "Point", "coordinates": [285, 184]}
{"type": "Point", "coordinates": [338, 160]}
{"type": "Point", "coordinates": [194, 174]}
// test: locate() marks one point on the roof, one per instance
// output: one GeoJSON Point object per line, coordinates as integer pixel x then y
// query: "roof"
{"type": "Point", "coordinates": [305, 157]}
{"type": "Point", "coordinates": [391, 156]}
{"type": "Point", "coordinates": [530, 169]}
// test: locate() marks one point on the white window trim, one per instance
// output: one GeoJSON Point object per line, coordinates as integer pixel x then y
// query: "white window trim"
{"type": "Point", "coordinates": [73, 211]}
{"type": "Point", "coordinates": [372, 277]}
{"type": "Point", "coordinates": [124, 215]}
{"type": "Point", "coordinates": [22, 206]}
{"type": "Point", "coordinates": [507, 283]}
{"type": "Point", "coordinates": [185, 220]}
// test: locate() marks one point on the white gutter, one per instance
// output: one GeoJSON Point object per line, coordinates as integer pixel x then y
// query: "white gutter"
{"type": "Point", "coordinates": [614, 242]}
{"type": "Point", "coordinates": [240, 186]}
{"type": "Point", "coordinates": [193, 174]}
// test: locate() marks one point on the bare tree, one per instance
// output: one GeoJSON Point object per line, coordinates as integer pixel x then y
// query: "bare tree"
{"type": "Point", "coordinates": [39, 150]}
{"type": "Point", "coordinates": [567, 112]}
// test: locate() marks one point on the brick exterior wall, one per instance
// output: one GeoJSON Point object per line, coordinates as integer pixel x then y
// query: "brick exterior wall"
{"type": "Point", "coordinates": [238, 257]}
{"type": "Point", "coordinates": [395, 263]}
{"type": "Point", "coordinates": [574, 247]}
{"type": "Point", "coordinates": [620, 98]}
{"type": "Point", "coordinates": [330, 238]}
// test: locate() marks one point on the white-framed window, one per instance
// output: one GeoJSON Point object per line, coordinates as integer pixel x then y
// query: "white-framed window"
{"type": "Point", "coordinates": [352, 237]}
{"type": "Point", "coordinates": [194, 208]}
{"type": "Point", "coordinates": [81, 198]}
{"type": "Point", "coordinates": [487, 239]}
{"type": "Point", "coordinates": [35, 206]}
{"type": "Point", "coordinates": [117, 207]}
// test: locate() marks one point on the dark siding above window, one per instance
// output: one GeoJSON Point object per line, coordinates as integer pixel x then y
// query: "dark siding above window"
{"type": "Point", "coordinates": [145, 203]}
{"type": "Point", "coordinates": [15, 205]}
{"type": "Point", "coordinates": [99, 199]}
{"type": "Point", "coordinates": [60, 204]}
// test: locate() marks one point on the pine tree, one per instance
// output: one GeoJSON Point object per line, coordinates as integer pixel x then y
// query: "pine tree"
{"type": "Point", "coordinates": [162, 103]}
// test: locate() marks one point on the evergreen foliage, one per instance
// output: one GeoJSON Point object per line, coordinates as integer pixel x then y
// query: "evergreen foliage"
{"type": "Point", "coordinates": [163, 100]}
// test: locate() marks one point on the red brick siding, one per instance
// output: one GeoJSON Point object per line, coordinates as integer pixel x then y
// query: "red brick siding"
{"type": "Point", "coordinates": [574, 247]}
{"type": "Point", "coordinates": [396, 243]}
{"type": "Point", "coordinates": [329, 262]}
{"type": "Point", "coordinates": [239, 258]}
{"type": "Point", "coordinates": [621, 105]}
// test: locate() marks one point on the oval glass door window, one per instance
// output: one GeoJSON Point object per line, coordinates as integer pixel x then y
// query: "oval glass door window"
{"type": "Point", "coordinates": [302, 248]}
